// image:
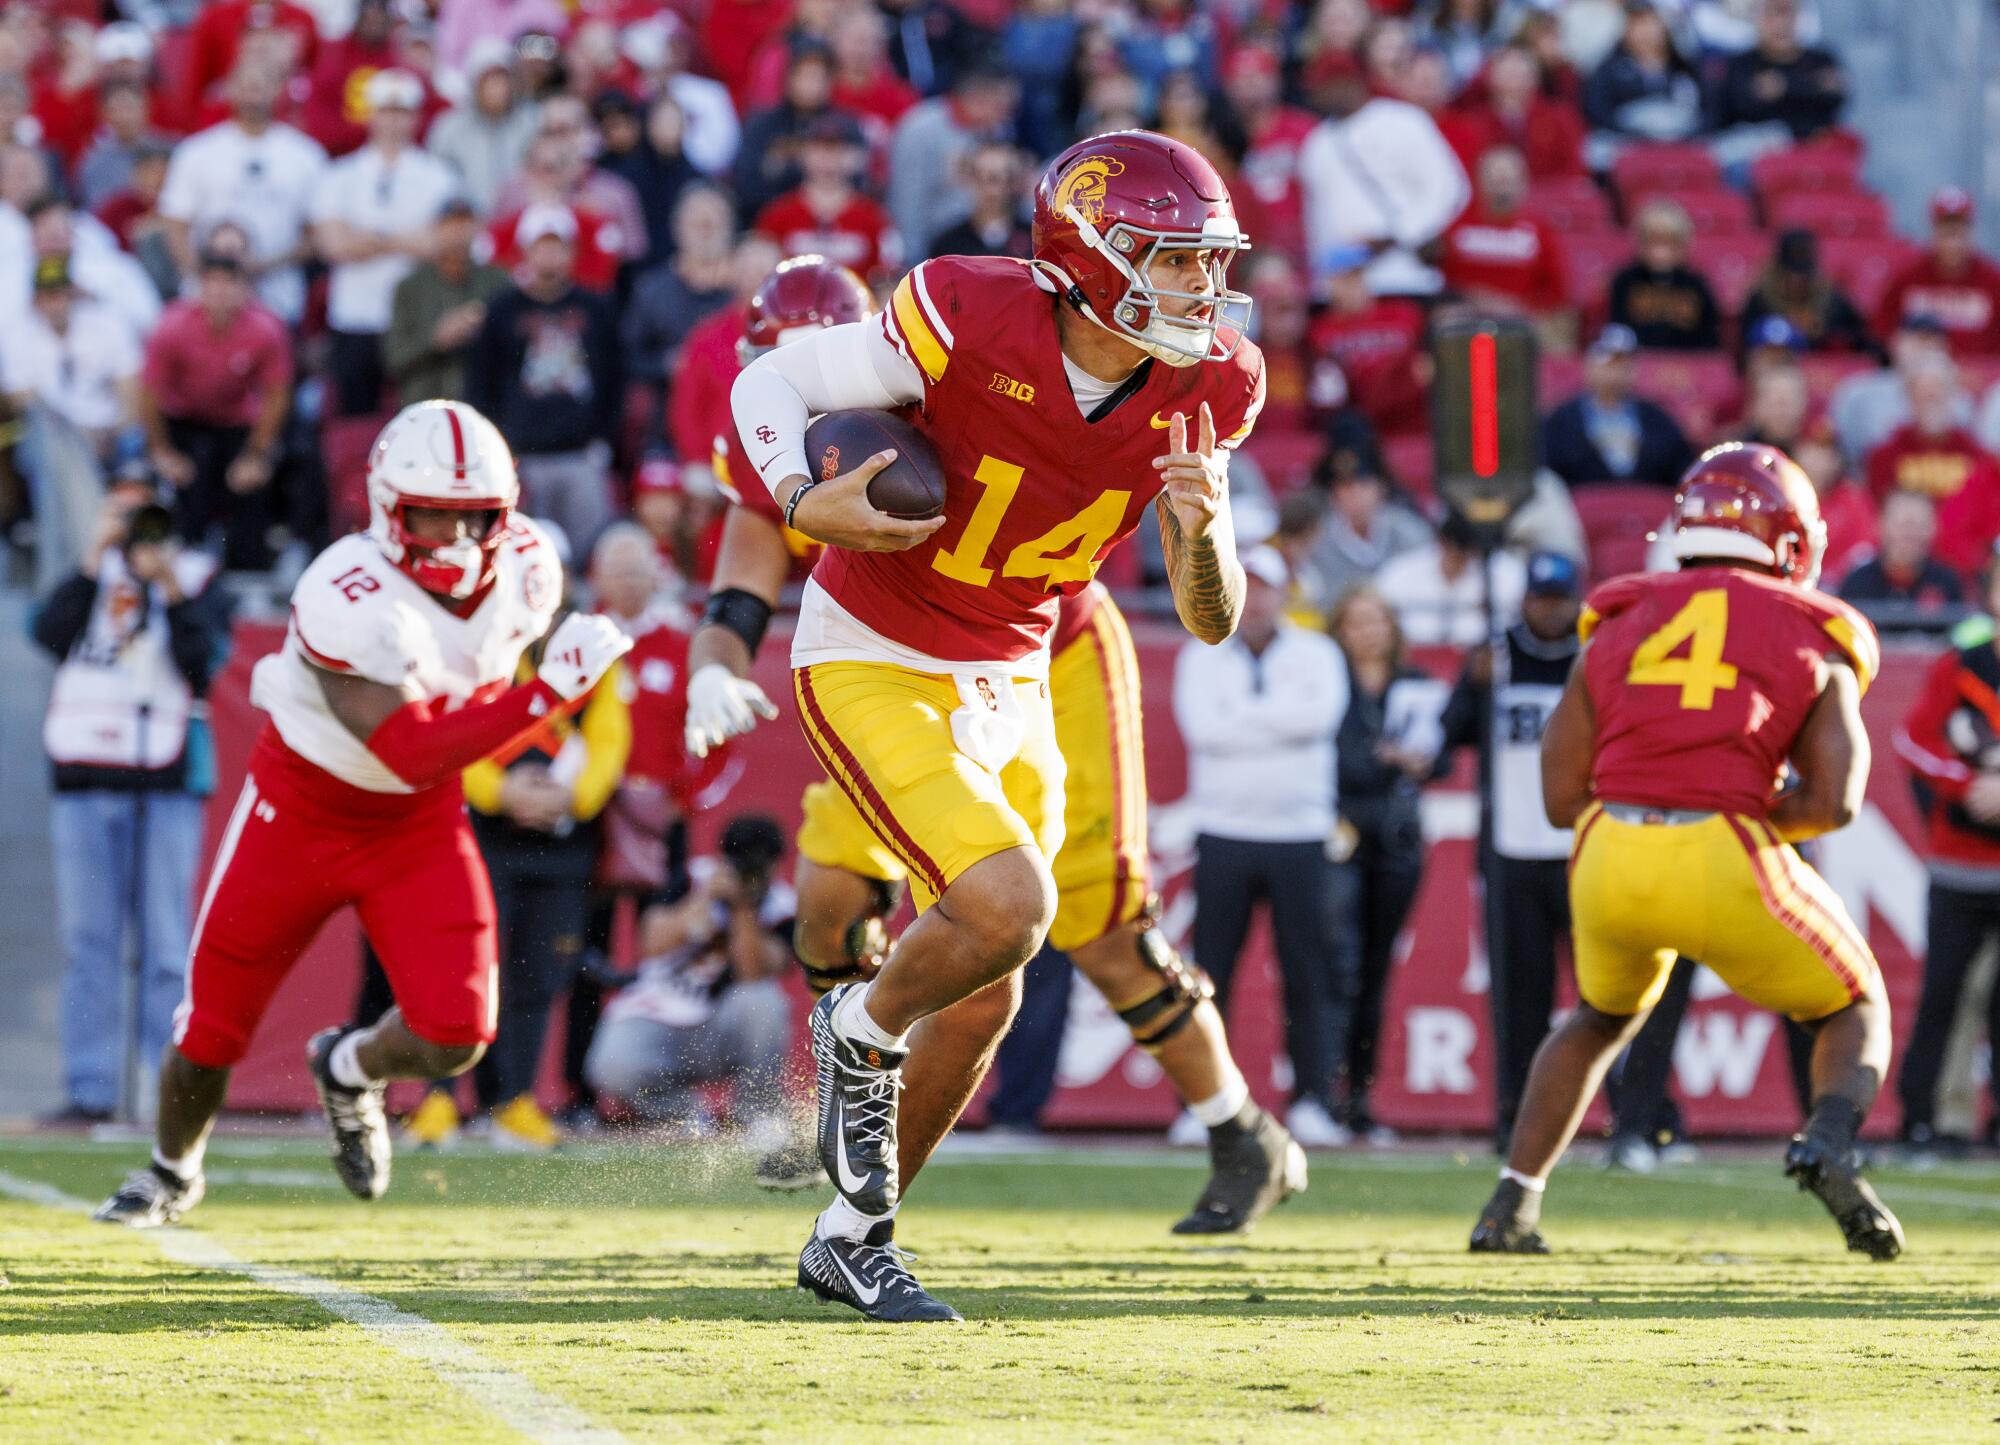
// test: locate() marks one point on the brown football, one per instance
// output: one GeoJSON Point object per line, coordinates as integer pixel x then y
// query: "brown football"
{"type": "Point", "coordinates": [912, 486]}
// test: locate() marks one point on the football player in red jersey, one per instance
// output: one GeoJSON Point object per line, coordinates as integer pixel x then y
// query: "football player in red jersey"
{"type": "Point", "coordinates": [849, 881]}
{"type": "Point", "coordinates": [1063, 395]}
{"type": "Point", "coordinates": [396, 675]}
{"type": "Point", "coordinates": [1695, 691]}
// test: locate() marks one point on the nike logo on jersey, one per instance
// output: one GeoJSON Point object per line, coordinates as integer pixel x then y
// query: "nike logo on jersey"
{"type": "Point", "coordinates": [850, 1182]}
{"type": "Point", "coordinates": [866, 1293]}
{"type": "Point", "coordinates": [1160, 423]}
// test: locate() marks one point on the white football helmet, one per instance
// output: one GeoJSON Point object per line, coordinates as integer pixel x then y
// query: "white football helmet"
{"type": "Point", "coordinates": [441, 454]}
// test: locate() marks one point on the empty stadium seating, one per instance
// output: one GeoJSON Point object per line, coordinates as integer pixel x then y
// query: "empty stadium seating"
{"type": "Point", "coordinates": [1617, 518]}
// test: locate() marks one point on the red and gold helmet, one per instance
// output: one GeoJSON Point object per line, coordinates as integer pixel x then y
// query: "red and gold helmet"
{"type": "Point", "coordinates": [803, 294]}
{"type": "Point", "coordinates": [1107, 207]}
{"type": "Point", "coordinates": [1751, 503]}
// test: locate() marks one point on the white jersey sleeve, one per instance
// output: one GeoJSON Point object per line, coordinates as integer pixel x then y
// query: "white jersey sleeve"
{"type": "Point", "coordinates": [850, 367]}
{"type": "Point", "coordinates": [346, 618]}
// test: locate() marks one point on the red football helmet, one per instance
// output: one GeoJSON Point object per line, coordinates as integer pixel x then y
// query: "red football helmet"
{"type": "Point", "coordinates": [1752, 503]}
{"type": "Point", "coordinates": [1107, 207]}
{"type": "Point", "coordinates": [803, 294]}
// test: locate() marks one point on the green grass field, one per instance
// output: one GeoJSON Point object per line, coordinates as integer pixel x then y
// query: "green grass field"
{"type": "Point", "coordinates": [647, 1292]}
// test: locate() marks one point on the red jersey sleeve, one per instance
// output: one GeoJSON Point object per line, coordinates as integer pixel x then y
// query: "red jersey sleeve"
{"type": "Point", "coordinates": [1842, 632]}
{"type": "Point", "coordinates": [1607, 600]}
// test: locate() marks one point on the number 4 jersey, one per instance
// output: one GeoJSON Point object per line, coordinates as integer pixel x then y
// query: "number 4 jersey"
{"type": "Point", "coordinates": [354, 612]}
{"type": "Point", "coordinates": [1036, 495]}
{"type": "Point", "coordinates": [1700, 681]}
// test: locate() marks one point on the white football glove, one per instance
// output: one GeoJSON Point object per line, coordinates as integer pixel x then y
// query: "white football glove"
{"type": "Point", "coordinates": [581, 651]}
{"type": "Point", "coordinates": [721, 706]}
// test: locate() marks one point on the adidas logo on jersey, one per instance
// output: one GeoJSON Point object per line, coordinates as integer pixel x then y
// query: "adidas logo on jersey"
{"type": "Point", "coordinates": [1007, 386]}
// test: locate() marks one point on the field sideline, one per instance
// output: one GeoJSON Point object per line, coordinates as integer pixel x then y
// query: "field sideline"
{"type": "Point", "coordinates": [644, 1293]}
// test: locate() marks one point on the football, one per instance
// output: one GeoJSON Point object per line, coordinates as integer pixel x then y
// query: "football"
{"type": "Point", "coordinates": [911, 487]}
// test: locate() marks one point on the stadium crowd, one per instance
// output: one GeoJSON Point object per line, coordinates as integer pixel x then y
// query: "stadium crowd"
{"type": "Point", "coordinates": [235, 235]}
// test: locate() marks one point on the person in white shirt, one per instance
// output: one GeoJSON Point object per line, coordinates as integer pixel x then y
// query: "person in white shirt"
{"type": "Point", "coordinates": [75, 356]}
{"type": "Point", "coordinates": [1259, 713]}
{"type": "Point", "coordinates": [255, 171]}
{"type": "Point", "coordinates": [374, 217]}
{"type": "Point", "coordinates": [1377, 172]}
{"type": "Point", "coordinates": [1439, 591]}
{"type": "Point", "coordinates": [658, 48]}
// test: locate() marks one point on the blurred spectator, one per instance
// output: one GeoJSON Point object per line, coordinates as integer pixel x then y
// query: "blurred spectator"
{"type": "Point", "coordinates": [545, 367]}
{"type": "Point", "coordinates": [767, 163]}
{"type": "Point", "coordinates": [76, 357]}
{"type": "Point", "coordinates": [337, 107]}
{"type": "Point", "coordinates": [1501, 706]}
{"type": "Point", "coordinates": [1645, 88]}
{"type": "Point", "coordinates": [1171, 37]}
{"type": "Point", "coordinates": [68, 98]}
{"type": "Point", "coordinates": [653, 162]}
{"type": "Point", "coordinates": [1933, 455]}
{"type": "Point", "coordinates": [1385, 52]}
{"type": "Point", "coordinates": [1865, 408]}
{"type": "Point", "coordinates": [1112, 101]}
{"type": "Point", "coordinates": [373, 218]}
{"type": "Point", "coordinates": [864, 83]}
{"type": "Point", "coordinates": [1666, 302]}
{"type": "Point", "coordinates": [1541, 32]}
{"type": "Point", "coordinates": [216, 42]}
{"type": "Point", "coordinates": [1377, 173]}
{"type": "Point", "coordinates": [1181, 110]}
{"type": "Point", "coordinates": [137, 635]}
{"type": "Point", "coordinates": [929, 142]}
{"type": "Point", "coordinates": [1516, 112]}
{"type": "Point", "coordinates": [1439, 591]}
{"type": "Point", "coordinates": [709, 1004]}
{"type": "Point", "coordinates": [1466, 32]}
{"type": "Point", "coordinates": [1369, 350]}
{"type": "Point", "coordinates": [1364, 526]}
{"type": "Point", "coordinates": [580, 182]}
{"type": "Point", "coordinates": [1951, 748]}
{"type": "Point", "coordinates": [535, 811]}
{"type": "Point", "coordinates": [1776, 405]}
{"type": "Point", "coordinates": [678, 525]}
{"type": "Point", "coordinates": [995, 226]}
{"type": "Point", "coordinates": [215, 388]}
{"type": "Point", "coordinates": [1606, 434]}
{"type": "Point", "coordinates": [1268, 136]}
{"type": "Point", "coordinates": [1278, 319]}
{"type": "Point", "coordinates": [698, 400]}
{"type": "Point", "coordinates": [468, 28]}
{"type": "Point", "coordinates": [1951, 282]}
{"type": "Point", "coordinates": [97, 266]}
{"type": "Point", "coordinates": [1038, 47]}
{"type": "Point", "coordinates": [1497, 255]}
{"type": "Point", "coordinates": [669, 300]}
{"type": "Point", "coordinates": [127, 133]}
{"type": "Point", "coordinates": [658, 48]}
{"type": "Point", "coordinates": [485, 138]}
{"type": "Point", "coordinates": [1259, 714]}
{"type": "Point", "coordinates": [254, 171]}
{"type": "Point", "coordinates": [132, 215]}
{"type": "Point", "coordinates": [1300, 515]}
{"type": "Point", "coordinates": [438, 310]}
{"type": "Point", "coordinates": [827, 215]}
{"type": "Point", "coordinates": [538, 60]}
{"type": "Point", "coordinates": [600, 248]}
{"type": "Point", "coordinates": [933, 45]}
{"type": "Point", "coordinates": [1903, 570]}
{"type": "Point", "coordinates": [1378, 840]}
{"type": "Point", "coordinates": [1845, 505]}
{"type": "Point", "coordinates": [1780, 79]}
{"type": "Point", "coordinates": [1794, 287]}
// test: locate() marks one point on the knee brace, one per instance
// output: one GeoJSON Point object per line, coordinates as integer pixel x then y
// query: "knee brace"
{"type": "Point", "coordinates": [1184, 987]}
{"type": "Point", "coordinates": [864, 946]}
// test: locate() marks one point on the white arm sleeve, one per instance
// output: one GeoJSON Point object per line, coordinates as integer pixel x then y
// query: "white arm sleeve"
{"type": "Point", "coordinates": [843, 368]}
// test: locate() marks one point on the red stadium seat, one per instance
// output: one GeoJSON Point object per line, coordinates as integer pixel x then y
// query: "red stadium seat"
{"type": "Point", "coordinates": [1591, 261]}
{"type": "Point", "coordinates": [1696, 387]}
{"type": "Point", "coordinates": [1814, 166]}
{"type": "Point", "coordinates": [1863, 266]}
{"type": "Point", "coordinates": [344, 443]}
{"type": "Point", "coordinates": [1642, 169]}
{"type": "Point", "coordinates": [1732, 265]}
{"type": "Point", "coordinates": [1411, 462]}
{"type": "Point", "coordinates": [1573, 205]}
{"type": "Point", "coordinates": [1825, 370]}
{"type": "Point", "coordinates": [1558, 377]}
{"type": "Point", "coordinates": [1617, 518]}
{"type": "Point", "coordinates": [1716, 212]}
{"type": "Point", "coordinates": [1830, 214]}
{"type": "Point", "coordinates": [1978, 373]}
{"type": "Point", "coordinates": [1286, 457]}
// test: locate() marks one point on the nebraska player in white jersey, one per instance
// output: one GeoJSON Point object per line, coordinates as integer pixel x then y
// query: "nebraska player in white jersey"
{"type": "Point", "coordinates": [396, 674]}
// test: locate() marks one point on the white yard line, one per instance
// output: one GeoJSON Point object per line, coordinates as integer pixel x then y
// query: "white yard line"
{"type": "Point", "coordinates": [510, 1398]}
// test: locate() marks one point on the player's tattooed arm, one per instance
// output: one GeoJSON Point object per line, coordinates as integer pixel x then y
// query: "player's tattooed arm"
{"type": "Point", "coordinates": [1196, 533]}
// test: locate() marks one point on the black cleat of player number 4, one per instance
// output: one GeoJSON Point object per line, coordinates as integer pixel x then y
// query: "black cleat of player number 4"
{"type": "Point", "coordinates": [1507, 1223]}
{"type": "Point", "coordinates": [1251, 1171]}
{"type": "Point", "coordinates": [360, 1149]}
{"type": "Point", "coordinates": [911, 487]}
{"type": "Point", "coordinates": [1833, 1178]}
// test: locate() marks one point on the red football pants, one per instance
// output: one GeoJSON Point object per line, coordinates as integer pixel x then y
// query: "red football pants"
{"type": "Point", "coordinates": [300, 845]}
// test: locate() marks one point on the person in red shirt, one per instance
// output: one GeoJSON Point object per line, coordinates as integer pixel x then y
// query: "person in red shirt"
{"type": "Point", "coordinates": [217, 36]}
{"type": "Point", "coordinates": [1951, 282]}
{"type": "Point", "coordinates": [214, 389]}
{"type": "Point", "coordinates": [1269, 201]}
{"type": "Point", "coordinates": [1516, 112]}
{"type": "Point", "coordinates": [827, 216]}
{"type": "Point", "coordinates": [1930, 453]}
{"type": "Point", "coordinates": [1279, 305]}
{"type": "Point", "coordinates": [599, 246]}
{"type": "Point", "coordinates": [864, 83]}
{"type": "Point", "coordinates": [1368, 350]}
{"type": "Point", "coordinates": [67, 101]}
{"type": "Point", "coordinates": [1845, 505]}
{"type": "Point", "coordinates": [335, 113]}
{"type": "Point", "coordinates": [1496, 253]}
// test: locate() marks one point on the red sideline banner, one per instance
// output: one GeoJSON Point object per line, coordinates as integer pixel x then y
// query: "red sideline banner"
{"type": "Point", "coordinates": [1435, 1071]}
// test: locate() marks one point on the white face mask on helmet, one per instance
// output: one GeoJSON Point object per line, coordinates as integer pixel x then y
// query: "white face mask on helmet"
{"type": "Point", "coordinates": [441, 455]}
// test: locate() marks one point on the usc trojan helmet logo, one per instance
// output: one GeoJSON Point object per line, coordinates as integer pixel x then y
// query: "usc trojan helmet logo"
{"type": "Point", "coordinates": [1085, 185]}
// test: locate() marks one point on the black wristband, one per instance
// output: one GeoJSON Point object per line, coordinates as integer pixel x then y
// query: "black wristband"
{"type": "Point", "coordinates": [792, 502]}
{"type": "Point", "coordinates": [743, 613]}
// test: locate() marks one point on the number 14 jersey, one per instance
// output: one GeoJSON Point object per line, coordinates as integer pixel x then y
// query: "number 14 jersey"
{"type": "Point", "coordinates": [1035, 495]}
{"type": "Point", "coordinates": [1700, 681]}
